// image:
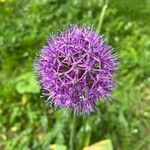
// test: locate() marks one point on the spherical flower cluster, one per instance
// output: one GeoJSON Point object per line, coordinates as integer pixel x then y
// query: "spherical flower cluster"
{"type": "Point", "coordinates": [76, 69]}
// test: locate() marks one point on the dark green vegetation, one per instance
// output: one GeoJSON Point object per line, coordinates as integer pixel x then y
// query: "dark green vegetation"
{"type": "Point", "coordinates": [26, 122]}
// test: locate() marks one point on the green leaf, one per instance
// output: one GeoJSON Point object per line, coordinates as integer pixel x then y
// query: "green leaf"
{"type": "Point", "coordinates": [26, 83]}
{"type": "Point", "coordinates": [102, 145]}
{"type": "Point", "coordinates": [58, 147]}
{"type": "Point", "coordinates": [122, 119]}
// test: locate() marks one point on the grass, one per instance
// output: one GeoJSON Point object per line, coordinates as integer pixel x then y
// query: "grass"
{"type": "Point", "coordinates": [26, 122]}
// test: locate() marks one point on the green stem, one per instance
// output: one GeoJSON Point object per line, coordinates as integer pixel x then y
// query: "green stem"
{"type": "Point", "coordinates": [72, 134]}
{"type": "Point", "coordinates": [101, 18]}
{"type": "Point", "coordinates": [73, 127]}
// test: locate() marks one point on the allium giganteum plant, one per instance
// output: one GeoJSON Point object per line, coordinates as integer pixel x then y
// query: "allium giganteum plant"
{"type": "Point", "coordinates": [76, 69]}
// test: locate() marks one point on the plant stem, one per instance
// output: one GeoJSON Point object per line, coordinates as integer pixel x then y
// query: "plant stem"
{"type": "Point", "coordinates": [72, 134]}
{"type": "Point", "coordinates": [101, 18]}
{"type": "Point", "coordinates": [73, 127]}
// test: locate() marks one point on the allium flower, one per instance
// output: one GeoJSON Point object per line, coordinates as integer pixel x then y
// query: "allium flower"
{"type": "Point", "coordinates": [76, 69]}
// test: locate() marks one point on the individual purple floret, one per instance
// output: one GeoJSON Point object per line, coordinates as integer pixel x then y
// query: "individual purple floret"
{"type": "Point", "coordinates": [76, 69]}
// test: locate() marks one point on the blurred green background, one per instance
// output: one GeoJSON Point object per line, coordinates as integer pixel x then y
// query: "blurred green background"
{"type": "Point", "coordinates": [26, 122]}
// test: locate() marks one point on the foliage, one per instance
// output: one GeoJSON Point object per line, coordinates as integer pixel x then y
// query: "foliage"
{"type": "Point", "coordinates": [103, 145]}
{"type": "Point", "coordinates": [26, 122]}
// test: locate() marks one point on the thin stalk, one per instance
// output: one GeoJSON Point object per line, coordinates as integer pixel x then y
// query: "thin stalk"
{"type": "Point", "coordinates": [100, 22]}
{"type": "Point", "coordinates": [101, 18]}
{"type": "Point", "coordinates": [73, 127]}
{"type": "Point", "coordinates": [72, 134]}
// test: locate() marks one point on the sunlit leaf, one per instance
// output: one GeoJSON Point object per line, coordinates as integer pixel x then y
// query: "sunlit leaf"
{"type": "Point", "coordinates": [102, 145]}
{"type": "Point", "coordinates": [26, 83]}
{"type": "Point", "coordinates": [58, 147]}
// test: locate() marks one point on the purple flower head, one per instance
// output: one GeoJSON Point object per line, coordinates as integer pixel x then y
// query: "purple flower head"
{"type": "Point", "coordinates": [76, 69]}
